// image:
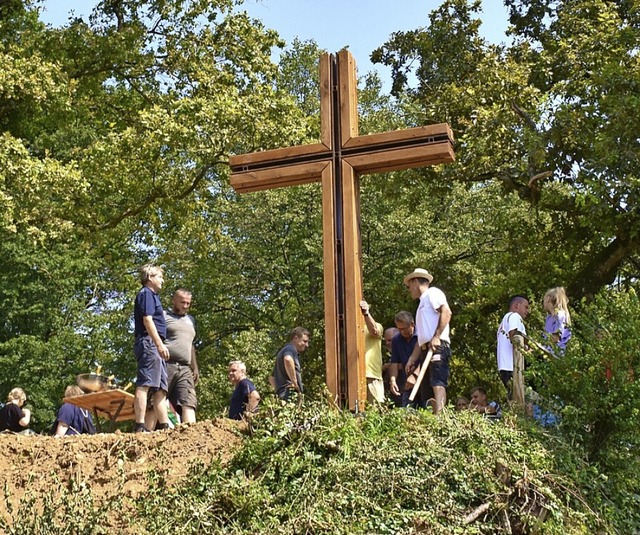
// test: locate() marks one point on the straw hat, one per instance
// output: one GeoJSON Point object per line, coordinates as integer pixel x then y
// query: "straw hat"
{"type": "Point", "coordinates": [418, 273]}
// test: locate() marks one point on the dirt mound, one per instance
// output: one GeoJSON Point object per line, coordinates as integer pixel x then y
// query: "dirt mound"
{"type": "Point", "coordinates": [109, 464]}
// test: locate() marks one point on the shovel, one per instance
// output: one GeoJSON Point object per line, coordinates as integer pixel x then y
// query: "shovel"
{"type": "Point", "coordinates": [423, 370]}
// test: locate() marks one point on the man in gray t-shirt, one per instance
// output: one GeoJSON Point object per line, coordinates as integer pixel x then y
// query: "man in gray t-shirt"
{"type": "Point", "coordinates": [182, 366]}
{"type": "Point", "coordinates": [287, 373]}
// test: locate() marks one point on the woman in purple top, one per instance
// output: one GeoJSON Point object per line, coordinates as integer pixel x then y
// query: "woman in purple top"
{"type": "Point", "coordinates": [558, 320]}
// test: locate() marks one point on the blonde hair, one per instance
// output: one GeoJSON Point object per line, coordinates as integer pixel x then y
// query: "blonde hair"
{"type": "Point", "coordinates": [73, 390]}
{"type": "Point", "coordinates": [147, 271]}
{"type": "Point", "coordinates": [17, 394]}
{"type": "Point", "coordinates": [557, 298]}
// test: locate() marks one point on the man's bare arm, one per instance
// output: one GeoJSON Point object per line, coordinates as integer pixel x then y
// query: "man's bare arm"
{"type": "Point", "coordinates": [290, 368]}
{"type": "Point", "coordinates": [194, 365]}
{"type": "Point", "coordinates": [252, 401]}
{"type": "Point", "coordinates": [443, 321]}
{"type": "Point", "coordinates": [393, 376]}
{"type": "Point", "coordinates": [153, 332]}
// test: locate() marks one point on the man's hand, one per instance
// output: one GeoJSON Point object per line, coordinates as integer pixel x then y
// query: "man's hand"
{"type": "Point", "coordinates": [196, 375]}
{"type": "Point", "coordinates": [393, 387]}
{"type": "Point", "coordinates": [434, 343]}
{"type": "Point", "coordinates": [163, 350]}
{"type": "Point", "coordinates": [410, 366]}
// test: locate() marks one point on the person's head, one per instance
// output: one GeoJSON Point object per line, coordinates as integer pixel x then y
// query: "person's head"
{"type": "Point", "coordinates": [152, 277]}
{"type": "Point", "coordinates": [73, 390]}
{"type": "Point", "coordinates": [462, 403]}
{"type": "Point", "coordinates": [299, 337]}
{"type": "Point", "coordinates": [181, 301]}
{"type": "Point", "coordinates": [17, 396]}
{"type": "Point", "coordinates": [417, 282]}
{"type": "Point", "coordinates": [404, 324]}
{"type": "Point", "coordinates": [519, 304]}
{"type": "Point", "coordinates": [388, 336]}
{"type": "Point", "coordinates": [237, 371]}
{"type": "Point", "coordinates": [478, 396]}
{"type": "Point", "coordinates": [556, 299]}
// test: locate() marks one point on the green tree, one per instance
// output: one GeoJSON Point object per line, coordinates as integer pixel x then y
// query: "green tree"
{"type": "Point", "coordinates": [541, 117]}
{"type": "Point", "coordinates": [116, 136]}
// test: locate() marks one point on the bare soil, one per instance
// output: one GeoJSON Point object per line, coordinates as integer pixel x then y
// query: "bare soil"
{"type": "Point", "coordinates": [108, 464]}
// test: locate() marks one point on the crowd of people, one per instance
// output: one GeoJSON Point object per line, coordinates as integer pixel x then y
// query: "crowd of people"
{"type": "Point", "coordinates": [167, 367]}
{"type": "Point", "coordinates": [425, 341]}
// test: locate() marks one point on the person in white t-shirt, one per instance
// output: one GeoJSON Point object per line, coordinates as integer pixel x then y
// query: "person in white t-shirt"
{"type": "Point", "coordinates": [511, 335]}
{"type": "Point", "coordinates": [432, 328]}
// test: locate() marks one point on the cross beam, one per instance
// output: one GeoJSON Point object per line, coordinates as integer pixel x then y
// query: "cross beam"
{"type": "Point", "coordinates": [337, 161]}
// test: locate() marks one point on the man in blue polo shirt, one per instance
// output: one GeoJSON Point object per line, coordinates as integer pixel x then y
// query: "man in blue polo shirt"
{"type": "Point", "coordinates": [149, 349]}
{"type": "Point", "coordinates": [402, 345]}
{"type": "Point", "coordinates": [287, 373]}
{"type": "Point", "coordinates": [245, 397]}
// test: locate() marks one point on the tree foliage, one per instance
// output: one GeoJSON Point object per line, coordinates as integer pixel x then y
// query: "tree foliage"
{"type": "Point", "coordinates": [542, 117]}
{"type": "Point", "coordinates": [116, 136]}
{"type": "Point", "coordinates": [116, 133]}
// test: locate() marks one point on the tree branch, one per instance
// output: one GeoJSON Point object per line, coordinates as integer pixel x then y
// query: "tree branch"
{"type": "Point", "coordinates": [154, 196]}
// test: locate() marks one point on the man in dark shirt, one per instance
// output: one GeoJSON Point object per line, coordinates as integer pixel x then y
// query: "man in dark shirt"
{"type": "Point", "coordinates": [245, 397]}
{"type": "Point", "coordinates": [402, 345]}
{"type": "Point", "coordinates": [287, 373]}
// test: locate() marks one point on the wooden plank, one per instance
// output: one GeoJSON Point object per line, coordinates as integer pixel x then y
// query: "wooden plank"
{"type": "Point", "coordinates": [406, 158]}
{"type": "Point", "coordinates": [332, 341]}
{"type": "Point", "coordinates": [278, 177]}
{"type": "Point", "coordinates": [348, 97]}
{"type": "Point", "coordinates": [410, 134]}
{"type": "Point", "coordinates": [352, 261]}
{"type": "Point", "coordinates": [276, 155]}
{"type": "Point", "coordinates": [326, 127]}
{"type": "Point", "coordinates": [354, 322]}
{"type": "Point", "coordinates": [423, 370]}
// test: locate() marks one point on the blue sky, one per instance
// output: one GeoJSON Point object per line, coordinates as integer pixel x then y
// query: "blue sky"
{"type": "Point", "coordinates": [362, 25]}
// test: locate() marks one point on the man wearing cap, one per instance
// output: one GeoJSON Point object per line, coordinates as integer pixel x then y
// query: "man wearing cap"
{"type": "Point", "coordinates": [432, 328]}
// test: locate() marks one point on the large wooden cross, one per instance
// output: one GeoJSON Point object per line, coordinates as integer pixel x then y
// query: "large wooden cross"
{"type": "Point", "coordinates": [337, 162]}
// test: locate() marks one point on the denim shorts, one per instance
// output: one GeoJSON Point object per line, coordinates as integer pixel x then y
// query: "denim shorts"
{"type": "Point", "coordinates": [152, 368]}
{"type": "Point", "coordinates": [439, 369]}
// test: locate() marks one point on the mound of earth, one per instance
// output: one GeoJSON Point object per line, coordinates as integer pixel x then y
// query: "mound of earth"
{"type": "Point", "coordinates": [108, 464]}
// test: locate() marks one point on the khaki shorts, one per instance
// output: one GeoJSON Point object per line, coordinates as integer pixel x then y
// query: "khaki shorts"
{"type": "Point", "coordinates": [375, 390]}
{"type": "Point", "coordinates": [182, 389]}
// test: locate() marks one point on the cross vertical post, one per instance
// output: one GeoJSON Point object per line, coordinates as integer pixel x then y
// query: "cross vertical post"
{"type": "Point", "coordinates": [337, 161]}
